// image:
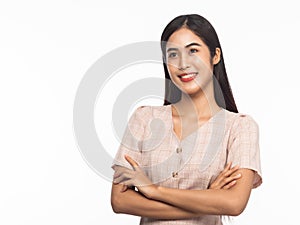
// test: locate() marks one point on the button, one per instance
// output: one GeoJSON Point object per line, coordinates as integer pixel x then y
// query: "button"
{"type": "Point", "coordinates": [174, 174]}
{"type": "Point", "coordinates": [179, 150]}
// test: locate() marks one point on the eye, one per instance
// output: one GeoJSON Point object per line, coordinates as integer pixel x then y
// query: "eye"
{"type": "Point", "coordinates": [193, 50]}
{"type": "Point", "coordinates": [172, 55]}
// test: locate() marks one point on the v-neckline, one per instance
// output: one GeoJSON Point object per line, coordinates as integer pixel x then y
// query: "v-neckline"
{"type": "Point", "coordinates": [197, 130]}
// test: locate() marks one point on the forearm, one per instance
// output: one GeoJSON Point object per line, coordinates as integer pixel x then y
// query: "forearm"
{"type": "Point", "coordinates": [217, 202]}
{"type": "Point", "coordinates": [133, 203]}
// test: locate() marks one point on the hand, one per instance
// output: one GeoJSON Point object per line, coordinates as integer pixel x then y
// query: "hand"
{"type": "Point", "coordinates": [226, 179]}
{"type": "Point", "coordinates": [135, 177]}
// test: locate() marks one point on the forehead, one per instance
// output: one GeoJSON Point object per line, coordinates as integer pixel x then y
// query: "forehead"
{"type": "Point", "coordinates": [183, 37]}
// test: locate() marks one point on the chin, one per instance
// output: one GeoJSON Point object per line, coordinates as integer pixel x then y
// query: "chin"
{"type": "Point", "coordinates": [190, 87]}
{"type": "Point", "coordinates": [191, 91]}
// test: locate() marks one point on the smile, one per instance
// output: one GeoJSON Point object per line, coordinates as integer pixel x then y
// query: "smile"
{"type": "Point", "coordinates": [186, 77]}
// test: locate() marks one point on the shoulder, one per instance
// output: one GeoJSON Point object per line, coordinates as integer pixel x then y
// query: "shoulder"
{"type": "Point", "coordinates": [148, 110]}
{"type": "Point", "coordinates": [242, 121]}
{"type": "Point", "coordinates": [151, 111]}
{"type": "Point", "coordinates": [153, 117]}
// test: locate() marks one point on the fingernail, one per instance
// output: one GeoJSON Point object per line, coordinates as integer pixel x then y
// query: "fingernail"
{"type": "Point", "coordinates": [238, 175]}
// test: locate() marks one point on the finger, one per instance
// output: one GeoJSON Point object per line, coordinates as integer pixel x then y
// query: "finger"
{"type": "Point", "coordinates": [117, 176]}
{"type": "Point", "coordinates": [117, 180]}
{"type": "Point", "coordinates": [117, 168]}
{"type": "Point", "coordinates": [228, 166]}
{"type": "Point", "coordinates": [131, 161]}
{"type": "Point", "coordinates": [120, 170]}
{"type": "Point", "coordinates": [235, 168]}
{"type": "Point", "coordinates": [129, 183]}
{"type": "Point", "coordinates": [227, 180]}
{"type": "Point", "coordinates": [216, 183]}
{"type": "Point", "coordinates": [123, 178]}
{"type": "Point", "coordinates": [231, 171]}
{"type": "Point", "coordinates": [124, 188]}
{"type": "Point", "coordinates": [119, 173]}
{"type": "Point", "coordinates": [214, 186]}
{"type": "Point", "coordinates": [222, 178]}
{"type": "Point", "coordinates": [225, 170]}
{"type": "Point", "coordinates": [230, 185]}
{"type": "Point", "coordinates": [223, 175]}
{"type": "Point", "coordinates": [237, 176]}
{"type": "Point", "coordinates": [120, 180]}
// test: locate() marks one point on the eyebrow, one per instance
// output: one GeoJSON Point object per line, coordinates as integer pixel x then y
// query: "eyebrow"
{"type": "Point", "coordinates": [189, 45]}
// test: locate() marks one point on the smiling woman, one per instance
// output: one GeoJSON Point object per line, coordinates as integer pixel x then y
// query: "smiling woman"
{"type": "Point", "coordinates": [187, 56]}
{"type": "Point", "coordinates": [201, 160]}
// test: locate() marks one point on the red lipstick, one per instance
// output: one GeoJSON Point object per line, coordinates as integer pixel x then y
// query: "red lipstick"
{"type": "Point", "coordinates": [186, 77]}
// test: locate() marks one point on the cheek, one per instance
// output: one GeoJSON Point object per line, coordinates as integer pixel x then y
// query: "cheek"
{"type": "Point", "coordinates": [203, 64]}
{"type": "Point", "coordinates": [171, 69]}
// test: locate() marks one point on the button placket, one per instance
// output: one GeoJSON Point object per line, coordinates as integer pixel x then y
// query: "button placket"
{"type": "Point", "coordinates": [178, 151]}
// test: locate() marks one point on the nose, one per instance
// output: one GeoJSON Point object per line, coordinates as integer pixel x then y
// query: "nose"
{"type": "Point", "coordinates": [183, 64]}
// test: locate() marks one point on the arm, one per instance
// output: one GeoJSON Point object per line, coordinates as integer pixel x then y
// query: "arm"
{"type": "Point", "coordinates": [134, 203]}
{"type": "Point", "coordinates": [243, 149]}
{"type": "Point", "coordinates": [220, 202]}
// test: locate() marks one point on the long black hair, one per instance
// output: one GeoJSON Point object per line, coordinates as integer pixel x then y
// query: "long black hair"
{"type": "Point", "coordinates": [204, 30]}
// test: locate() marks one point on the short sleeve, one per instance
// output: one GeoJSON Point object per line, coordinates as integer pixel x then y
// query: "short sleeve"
{"type": "Point", "coordinates": [132, 139]}
{"type": "Point", "coordinates": [243, 148]}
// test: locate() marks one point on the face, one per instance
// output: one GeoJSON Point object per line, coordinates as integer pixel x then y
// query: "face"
{"type": "Point", "coordinates": [189, 62]}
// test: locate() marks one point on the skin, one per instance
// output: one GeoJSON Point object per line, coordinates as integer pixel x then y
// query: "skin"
{"type": "Point", "coordinates": [229, 193]}
{"type": "Point", "coordinates": [186, 53]}
{"type": "Point", "coordinates": [129, 201]}
{"type": "Point", "coordinates": [230, 201]}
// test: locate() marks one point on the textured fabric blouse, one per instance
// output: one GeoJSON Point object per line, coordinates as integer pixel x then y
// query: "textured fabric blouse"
{"type": "Point", "coordinates": [195, 161]}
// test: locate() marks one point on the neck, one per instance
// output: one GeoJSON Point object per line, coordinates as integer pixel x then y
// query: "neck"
{"type": "Point", "coordinates": [202, 103]}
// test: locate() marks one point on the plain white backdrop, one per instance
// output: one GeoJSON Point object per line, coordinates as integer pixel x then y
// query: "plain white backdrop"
{"type": "Point", "coordinates": [47, 46]}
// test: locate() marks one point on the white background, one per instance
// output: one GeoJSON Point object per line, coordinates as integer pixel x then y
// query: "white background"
{"type": "Point", "coordinates": [45, 50]}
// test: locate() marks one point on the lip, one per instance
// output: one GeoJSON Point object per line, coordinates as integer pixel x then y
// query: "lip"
{"type": "Point", "coordinates": [186, 77]}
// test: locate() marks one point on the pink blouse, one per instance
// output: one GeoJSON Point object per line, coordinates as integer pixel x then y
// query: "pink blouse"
{"type": "Point", "coordinates": [195, 161]}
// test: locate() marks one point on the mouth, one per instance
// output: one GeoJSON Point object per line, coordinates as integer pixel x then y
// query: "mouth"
{"type": "Point", "coordinates": [186, 77]}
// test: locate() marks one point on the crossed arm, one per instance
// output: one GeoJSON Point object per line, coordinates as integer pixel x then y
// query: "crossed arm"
{"type": "Point", "coordinates": [134, 203]}
{"type": "Point", "coordinates": [228, 195]}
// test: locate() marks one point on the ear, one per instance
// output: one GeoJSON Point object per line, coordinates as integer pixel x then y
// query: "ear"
{"type": "Point", "coordinates": [217, 56]}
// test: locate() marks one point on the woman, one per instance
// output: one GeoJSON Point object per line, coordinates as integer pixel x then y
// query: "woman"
{"type": "Point", "coordinates": [177, 158]}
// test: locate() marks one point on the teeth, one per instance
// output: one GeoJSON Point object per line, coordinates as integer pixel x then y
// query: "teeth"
{"type": "Point", "coordinates": [188, 75]}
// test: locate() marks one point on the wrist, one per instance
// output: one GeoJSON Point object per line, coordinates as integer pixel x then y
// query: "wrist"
{"type": "Point", "coordinates": [156, 192]}
{"type": "Point", "coordinates": [152, 191]}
